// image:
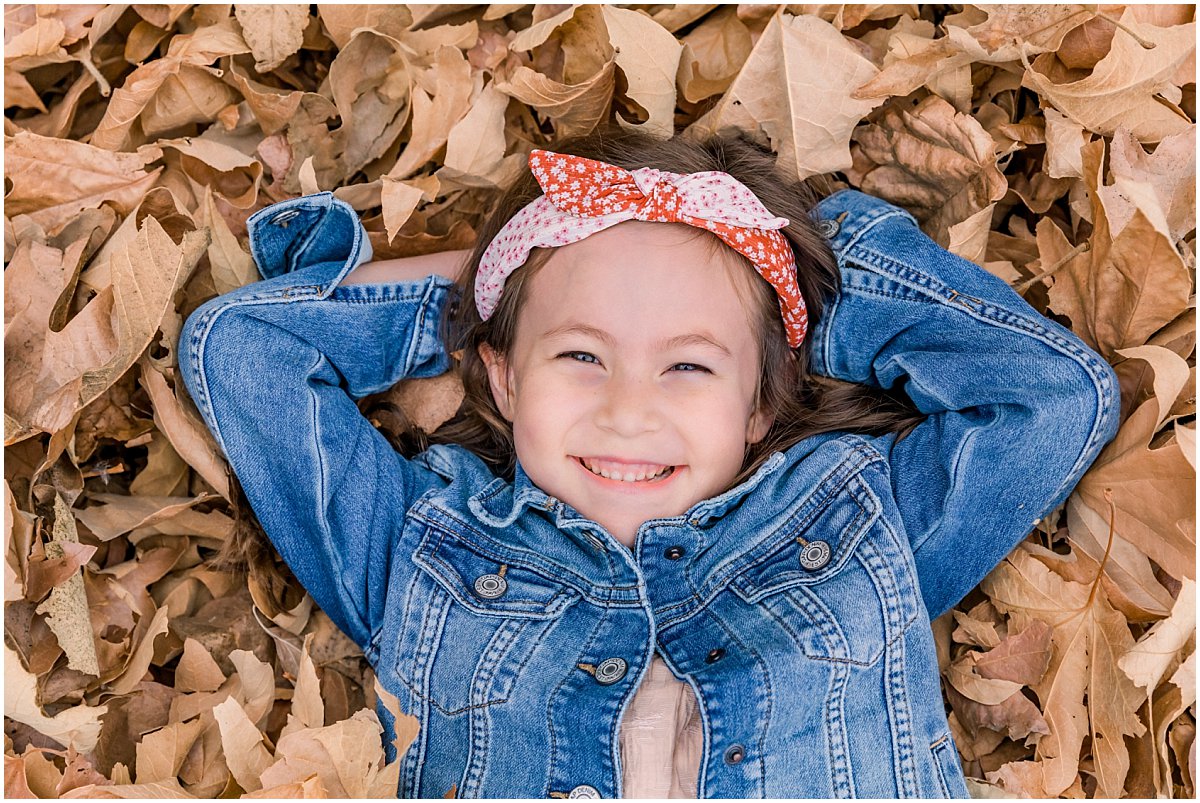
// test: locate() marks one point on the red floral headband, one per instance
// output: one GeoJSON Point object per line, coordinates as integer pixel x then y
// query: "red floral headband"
{"type": "Point", "coordinates": [584, 196]}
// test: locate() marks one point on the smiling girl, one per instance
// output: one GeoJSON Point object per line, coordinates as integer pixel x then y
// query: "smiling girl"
{"type": "Point", "coordinates": [723, 455]}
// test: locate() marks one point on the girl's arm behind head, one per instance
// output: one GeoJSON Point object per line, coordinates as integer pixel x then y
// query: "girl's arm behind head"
{"type": "Point", "coordinates": [409, 269]}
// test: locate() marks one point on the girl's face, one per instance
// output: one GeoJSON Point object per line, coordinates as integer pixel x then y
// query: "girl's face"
{"type": "Point", "coordinates": [635, 356]}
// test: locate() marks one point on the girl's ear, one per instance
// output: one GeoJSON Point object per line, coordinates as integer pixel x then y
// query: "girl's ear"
{"type": "Point", "coordinates": [498, 378]}
{"type": "Point", "coordinates": [759, 425]}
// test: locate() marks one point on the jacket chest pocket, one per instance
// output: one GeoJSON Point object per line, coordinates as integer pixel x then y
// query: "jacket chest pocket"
{"type": "Point", "coordinates": [835, 578]}
{"type": "Point", "coordinates": [472, 621]}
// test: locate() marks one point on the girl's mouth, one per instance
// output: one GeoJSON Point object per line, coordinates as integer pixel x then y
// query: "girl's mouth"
{"type": "Point", "coordinates": [626, 473]}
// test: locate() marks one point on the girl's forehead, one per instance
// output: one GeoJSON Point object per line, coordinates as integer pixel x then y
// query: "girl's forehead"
{"type": "Point", "coordinates": [636, 262]}
{"type": "Point", "coordinates": [669, 283]}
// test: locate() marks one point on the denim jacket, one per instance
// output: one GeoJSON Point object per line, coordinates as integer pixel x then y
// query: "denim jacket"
{"type": "Point", "coordinates": [517, 631]}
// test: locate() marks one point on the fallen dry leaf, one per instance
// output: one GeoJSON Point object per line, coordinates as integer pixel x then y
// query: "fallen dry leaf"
{"type": "Point", "coordinates": [806, 115]}
{"type": "Point", "coordinates": [938, 163]}
{"type": "Point", "coordinates": [1089, 638]}
{"type": "Point", "coordinates": [1124, 88]}
{"type": "Point", "coordinates": [273, 32]}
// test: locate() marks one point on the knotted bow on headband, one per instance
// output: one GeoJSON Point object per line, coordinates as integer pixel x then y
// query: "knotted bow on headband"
{"type": "Point", "coordinates": [584, 196]}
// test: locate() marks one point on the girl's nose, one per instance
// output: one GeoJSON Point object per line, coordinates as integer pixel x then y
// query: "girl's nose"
{"type": "Point", "coordinates": [629, 407]}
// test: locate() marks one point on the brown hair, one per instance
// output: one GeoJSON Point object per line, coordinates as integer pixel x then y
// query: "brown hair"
{"type": "Point", "coordinates": [804, 404]}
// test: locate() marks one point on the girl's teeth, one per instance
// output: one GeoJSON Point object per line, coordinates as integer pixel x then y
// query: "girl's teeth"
{"type": "Point", "coordinates": [627, 476]}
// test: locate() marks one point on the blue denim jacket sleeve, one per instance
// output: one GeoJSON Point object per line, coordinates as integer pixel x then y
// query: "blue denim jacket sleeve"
{"type": "Point", "coordinates": [274, 368]}
{"type": "Point", "coordinates": [1018, 407]}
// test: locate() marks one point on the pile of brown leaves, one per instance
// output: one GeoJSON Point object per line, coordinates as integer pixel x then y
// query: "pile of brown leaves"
{"type": "Point", "coordinates": [1054, 145]}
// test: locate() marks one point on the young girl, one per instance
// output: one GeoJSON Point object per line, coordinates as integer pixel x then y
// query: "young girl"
{"type": "Point", "coordinates": [663, 549]}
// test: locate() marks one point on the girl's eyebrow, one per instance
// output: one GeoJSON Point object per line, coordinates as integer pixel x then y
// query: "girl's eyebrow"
{"type": "Point", "coordinates": [689, 339]}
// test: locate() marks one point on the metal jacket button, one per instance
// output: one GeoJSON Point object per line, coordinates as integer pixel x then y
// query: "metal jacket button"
{"type": "Point", "coordinates": [735, 754]}
{"type": "Point", "coordinates": [814, 555]}
{"type": "Point", "coordinates": [611, 670]}
{"type": "Point", "coordinates": [673, 553]}
{"type": "Point", "coordinates": [583, 790]}
{"type": "Point", "coordinates": [828, 228]}
{"type": "Point", "coordinates": [490, 586]}
{"type": "Point", "coordinates": [715, 655]}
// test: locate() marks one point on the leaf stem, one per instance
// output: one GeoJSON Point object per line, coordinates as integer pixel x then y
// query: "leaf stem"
{"type": "Point", "coordinates": [1082, 248]}
{"type": "Point", "coordinates": [1145, 43]}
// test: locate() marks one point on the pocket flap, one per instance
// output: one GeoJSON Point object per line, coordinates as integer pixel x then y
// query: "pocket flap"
{"type": "Point", "coordinates": [829, 529]}
{"type": "Point", "coordinates": [489, 584]}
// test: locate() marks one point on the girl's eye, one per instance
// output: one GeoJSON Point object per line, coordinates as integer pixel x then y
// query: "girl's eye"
{"type": "Point", "coordinates": [580, 356]}
{"type": "Point", "coordinates": [589, 358]}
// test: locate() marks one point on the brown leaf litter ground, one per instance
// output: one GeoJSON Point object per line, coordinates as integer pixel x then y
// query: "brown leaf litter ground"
{"type": "Point", "coordinates": [1054, 145]}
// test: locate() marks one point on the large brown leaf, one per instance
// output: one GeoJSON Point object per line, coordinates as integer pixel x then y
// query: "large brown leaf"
{"type": "Point", "coordinates": [795, 92]}
{"type": "Point", "coordinates": [938, 163]}
{"type": "Point", "coordinates": [1089, 638]}
{"type": "Point", "coordinates": [1127, 285]}
{"type": "Point", "coordinates": [53, 180]}
{"type": "Point", "coordinates": [1126, 89]}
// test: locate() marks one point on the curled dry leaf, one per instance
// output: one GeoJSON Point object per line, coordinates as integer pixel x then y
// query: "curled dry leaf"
{"type": "Point", "coordinates": [1126, 89]}
{"type": "Point", "coordinates": [196, 93]}
{"type": "Point", "coordinates": [936, 162]}
{"type": "Point", "coordinates": [1127, 285]}
{"type": "Point", "coordinates": [273, 32]}
{"type": "Point", "coordinates": [713, 54]}
{"type": "Point", "coordinates": [649, 58]}
{"type": "Point", "coordinates": [78, 726]}
{"type": "Point", "coordinates": [66, 609]}
{"type": "Point", "coordinates": [576, 109]}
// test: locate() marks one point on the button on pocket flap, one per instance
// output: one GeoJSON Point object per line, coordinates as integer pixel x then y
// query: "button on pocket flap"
{"type": "Point", "coordinates": [489, 584]}
{"type": "Point", "coordinates": [813, 545]}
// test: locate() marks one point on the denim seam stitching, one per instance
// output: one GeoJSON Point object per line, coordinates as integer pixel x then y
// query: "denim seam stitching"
{"type": "Point", "coordinates": [449, 712]}
{"type": "Point", "coordinates": [417, 345]}
{"type": "Point", "coordinates": [838, 744]}
{"type": "Point", "coordinates": [893, 654]}
{"type": "Point", "coordinates": [196, 349]}
{"type": "Point", "coordinates": [424, 664]}
{"type": "Point", "coordinates": [433, 515]}
{"type": "Point", "coordinates": [769, 606]}
{"type": "Point", "coordinates": [869, 220]}
{"type": "Point", "coordinates": [833, 483]}
{"type": "Point", "coordinates": [834, 715]}
{"type": "Point", "coordinates": [499, 644]}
